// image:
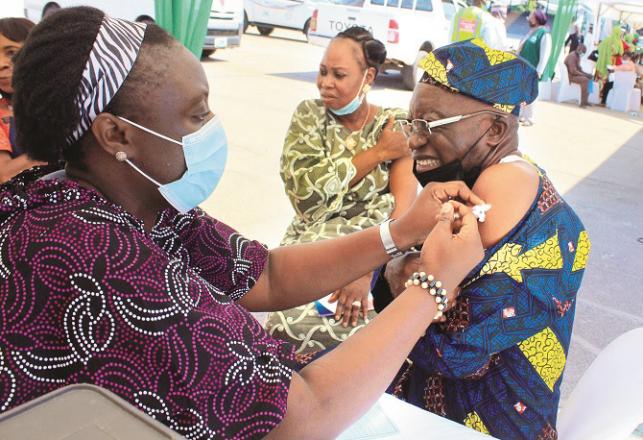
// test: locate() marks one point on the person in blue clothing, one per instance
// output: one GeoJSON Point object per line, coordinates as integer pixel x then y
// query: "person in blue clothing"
{"type": "Point", "coordinates": [496, 363]}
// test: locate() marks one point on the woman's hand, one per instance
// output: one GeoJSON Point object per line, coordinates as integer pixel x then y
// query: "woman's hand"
{"type": "Point", "coordinates": [352, 299]}
{"type": "Point", "coordinates": [399, 270]}
{"type": "Point", "coordinates": [415, 225]}
{"type": "Point", "coordinates": [453, 248]}
{"type": "Point", "coordinates": [391, 145]}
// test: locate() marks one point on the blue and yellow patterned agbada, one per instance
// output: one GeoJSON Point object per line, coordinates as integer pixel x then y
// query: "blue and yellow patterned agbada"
{"type": "Point", "coordinates": [496, 364]}
{"type": "Point", "coordinates": [472, 68]}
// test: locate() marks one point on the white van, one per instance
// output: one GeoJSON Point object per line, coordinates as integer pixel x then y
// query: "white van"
{"type": "Point", "coordinates": [402, 25]}
{"type": "Point", "coordinates": [224, 27]}
{"type": "Point", "coordinates": [266, 15]}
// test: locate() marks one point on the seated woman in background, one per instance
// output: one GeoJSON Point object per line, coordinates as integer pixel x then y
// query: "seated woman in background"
{"type": "Point", "coordinates": [111, 275]}
{"type": "Point", "coordinates": [13, 33]}
{"type": "Point", "coordinates": [345, 168]}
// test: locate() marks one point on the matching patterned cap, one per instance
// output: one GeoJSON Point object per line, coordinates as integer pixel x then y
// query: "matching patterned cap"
{"type": "Point", "coordinates": [472, 68]}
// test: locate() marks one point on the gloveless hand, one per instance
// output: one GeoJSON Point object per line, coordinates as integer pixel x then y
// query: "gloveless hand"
{"type": "Point", "coordinates": [453, 248]}
{"type": "Point", "coordinates": [351, 300]}
{"type": "Point", "coordinates": [416, 224]}
{"type": "Point", "coordinates": [391, 144]}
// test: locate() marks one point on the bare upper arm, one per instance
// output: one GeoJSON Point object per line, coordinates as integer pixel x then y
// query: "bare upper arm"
{"type": "Point", "coordinates": [510, 189]}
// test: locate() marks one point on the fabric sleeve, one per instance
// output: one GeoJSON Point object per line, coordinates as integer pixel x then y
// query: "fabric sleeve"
{"type": "Point", "coordinates": [315, 180]}
{"type": "Point", "coordinates": [125, 316]}
{"type": "Point", "coordinates": [230, 262]}
{"type": "Point", "coordinates": [453, 352]}
{"type": "Point", "coordinates": [545, 51]}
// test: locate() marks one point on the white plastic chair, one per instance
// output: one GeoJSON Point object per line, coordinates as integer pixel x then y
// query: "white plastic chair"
{"type": "Point", "coordinates": [595, 96]}
{"type": "Point", "coordinates": [567, 90]}
{"type": "Point", "coordinates": [624, 97]}
{"type": "Point", "coordinates": [81, 411]}
{"type": "Point", "coordinates": [607, 403]}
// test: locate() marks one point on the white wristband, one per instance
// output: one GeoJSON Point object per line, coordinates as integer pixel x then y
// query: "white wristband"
{"type": "Point", "coordinates": [387, 240]}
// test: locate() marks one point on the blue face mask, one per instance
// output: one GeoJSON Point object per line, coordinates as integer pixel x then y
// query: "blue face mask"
{"type": "Point", "coordinates": [352, 106]}
{"type": "Point", "coordinates": [205, 152]}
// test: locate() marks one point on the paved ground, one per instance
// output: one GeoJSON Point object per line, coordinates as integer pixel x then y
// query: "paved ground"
{"type": "Point", "coordinates": [594, 157]}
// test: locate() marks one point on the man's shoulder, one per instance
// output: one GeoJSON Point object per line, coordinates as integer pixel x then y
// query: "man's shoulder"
{"type": "Point", "coordinates": [510, 188]}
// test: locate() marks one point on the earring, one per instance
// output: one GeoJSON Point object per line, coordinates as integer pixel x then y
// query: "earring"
{"type": "Point", "coordinates": [121, 156]}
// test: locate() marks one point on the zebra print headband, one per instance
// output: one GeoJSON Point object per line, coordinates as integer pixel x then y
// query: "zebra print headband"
{"type": "Point", "coordinates": [110, 60]}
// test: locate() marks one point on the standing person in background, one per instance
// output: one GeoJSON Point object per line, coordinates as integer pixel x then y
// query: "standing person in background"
{"type": "Point", "coordinates": [346, 167]}
{"type": "Point", "coordinates": [535, 48]}
{"type": "Point", "coordinates": [13, 33]}
{"type": "Point", "coordinates": [574, 39]}
{"type": "Point", "coordinates": [576, 74]}
{"type": "Point", "coordinates": [473, 22]}
{"type": "Point", "coordinates": [609, 54]}
{"type": "Point", "coordinates": [495, 34]}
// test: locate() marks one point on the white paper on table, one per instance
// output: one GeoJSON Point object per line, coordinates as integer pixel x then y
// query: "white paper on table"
{"type": "Point", "coordinates": [374, 424]}
{"type": "Point", "coordinates": [328, 305]}
{"type": "Point", "coordinates": [332, 306]}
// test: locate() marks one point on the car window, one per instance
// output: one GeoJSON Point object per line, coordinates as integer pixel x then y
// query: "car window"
{"type": "Point", "coordinates": [393, 3]}
{"type": "Point", "coordinates": [407, 4]}
{"type": "Point", "coordinates": [424, 5]}
{"type": "Point", "coordinates": [358, 3]}
{"type": "Point", "coordinates": [377, 2]}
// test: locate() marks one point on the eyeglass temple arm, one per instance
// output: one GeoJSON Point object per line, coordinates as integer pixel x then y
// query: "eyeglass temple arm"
{"type": "Point", "coordinates": [446, 121]}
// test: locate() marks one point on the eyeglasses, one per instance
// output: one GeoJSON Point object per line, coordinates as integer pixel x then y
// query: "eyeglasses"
{"type": "Point", "coordinates": [422, 127]}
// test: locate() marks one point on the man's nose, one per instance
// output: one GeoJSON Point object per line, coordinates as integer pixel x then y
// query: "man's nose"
{"type": "Point", "coordinates": [416, 141]}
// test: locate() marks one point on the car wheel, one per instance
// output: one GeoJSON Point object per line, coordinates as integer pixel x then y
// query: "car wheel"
{"type": "Point", "coordinates": [245, 22]}
{"type": "Point", "coordinates": [265, 30]}
{"type": "Point", "coordinates": [207, 52]}
{"type": "Point", "coordinates": [306, 28]}
{"type": "Point", "coordinates": [408, 78]}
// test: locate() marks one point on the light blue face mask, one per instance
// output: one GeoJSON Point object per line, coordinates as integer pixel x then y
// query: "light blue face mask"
{"type": "Point", "coordinates": [205, 152]}
{"type": "Point", "coordinates": [352, 106]}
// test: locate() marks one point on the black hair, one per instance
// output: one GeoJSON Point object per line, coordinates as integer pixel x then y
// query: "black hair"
{"type": "Point", "coordinates": [373, 50]}
{"type": "Point", "coordinates": [427, 46]}
{"type": "Point", "coordinates": [16, 29]}
{"type": "Point", "coordinates": [47, 75]}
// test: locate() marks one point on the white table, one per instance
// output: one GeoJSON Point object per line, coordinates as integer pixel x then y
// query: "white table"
{"type": "Point", "coordinates": [391, 418]}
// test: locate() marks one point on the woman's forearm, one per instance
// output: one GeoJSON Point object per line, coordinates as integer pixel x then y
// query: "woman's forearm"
{"type": "Point", "coordinates": [403, 184]}
{"type": "Point", "coordinates": [303, 273]}
{"type": "Point", "coordinates": [335, 390]}
{"type": "Point", "coordinates": [364, 163]}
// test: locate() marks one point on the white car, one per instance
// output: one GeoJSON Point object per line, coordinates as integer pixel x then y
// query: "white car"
{"type": "Point", "coordinates": [404, 26]}
{"type": "Point", "coordinates": [266, 15]}
{"type": "Point", "coordinates": [13, 8]}
{"type": "Point", "coordinates": [224, 27]}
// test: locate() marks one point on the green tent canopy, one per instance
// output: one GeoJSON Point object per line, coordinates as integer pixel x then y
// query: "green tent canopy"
{"type": "Point", "coordinates": [564, 15]}
{"type": "Point", "coordinates": [186, 20]}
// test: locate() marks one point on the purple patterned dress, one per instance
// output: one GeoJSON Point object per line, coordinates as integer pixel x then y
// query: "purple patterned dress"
{"type": "Point", "coordinates": [87, 296]}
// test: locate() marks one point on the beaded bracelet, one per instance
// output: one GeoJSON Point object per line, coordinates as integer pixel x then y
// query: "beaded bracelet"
{"type": "Point", "coordinates": [434, 288]}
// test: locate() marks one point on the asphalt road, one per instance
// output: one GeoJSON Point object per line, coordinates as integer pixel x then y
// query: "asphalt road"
{"type": "Point", "coordinates": [594, 157]}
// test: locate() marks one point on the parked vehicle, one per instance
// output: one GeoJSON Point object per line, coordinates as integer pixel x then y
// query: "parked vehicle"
{"type": "Point", "coordinates": [224, 27]}
{"type": "Point", "coordinates": [14, 8]}
{"type": "Point", "coordinates": [266, 15]}
{"type": "Point", "coordinates": [402, 25]}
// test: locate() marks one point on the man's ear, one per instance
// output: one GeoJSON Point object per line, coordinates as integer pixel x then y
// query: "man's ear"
{"type": "Point", "coordinates": [112, 134]}
{"type": "Point", "coordinates": [498, 131]}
